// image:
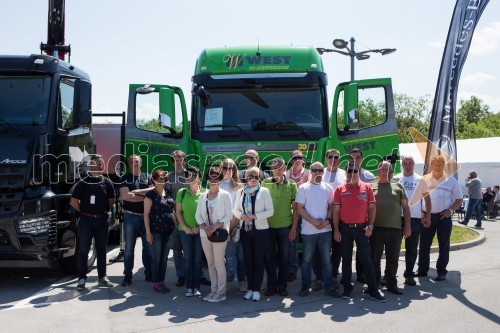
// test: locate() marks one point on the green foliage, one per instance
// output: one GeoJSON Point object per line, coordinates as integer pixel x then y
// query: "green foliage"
{"type": "Point", "coordinates": [475, 120]}
{"type": "Point", "coordinates": [412, 112]}
{"type": "Point", "coordinates": [153, 125]}
{"type": "Point", "coordinates": [370, 113]}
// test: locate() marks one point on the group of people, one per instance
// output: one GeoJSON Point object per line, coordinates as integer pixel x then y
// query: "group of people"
{"type": "Point", "coordinates": [248, 222]}
{"type": "Point", "coordinates": [480, 204]}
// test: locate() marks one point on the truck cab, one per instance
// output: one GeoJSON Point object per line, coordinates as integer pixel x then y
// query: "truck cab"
{"type": "Point", "coordinates": [272, 99]}
{"type": "Point", "coordinates": [45, 124]}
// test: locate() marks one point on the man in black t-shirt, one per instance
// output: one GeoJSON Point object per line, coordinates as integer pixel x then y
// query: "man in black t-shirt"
{"type": "Point", "coordinates": [92, 198]}
{"type": "Point", "coordinates": [132, 187]}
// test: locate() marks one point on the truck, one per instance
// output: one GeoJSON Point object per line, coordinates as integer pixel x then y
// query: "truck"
{"type": "Point", "coordinates": [45, 129]}
{"type": "Point", "coordinates": [269, 98]}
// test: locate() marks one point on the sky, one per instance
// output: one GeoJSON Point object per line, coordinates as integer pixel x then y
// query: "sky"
{"type": "Point", "coordinates": [119, 42]}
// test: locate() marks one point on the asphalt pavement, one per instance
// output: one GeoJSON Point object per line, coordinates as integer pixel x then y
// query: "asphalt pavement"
{"type": "Point", "coordinates": [467, 301]}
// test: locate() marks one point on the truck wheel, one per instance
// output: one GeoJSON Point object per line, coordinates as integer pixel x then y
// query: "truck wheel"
{"type": "Point", "coordinates": [68, 265]}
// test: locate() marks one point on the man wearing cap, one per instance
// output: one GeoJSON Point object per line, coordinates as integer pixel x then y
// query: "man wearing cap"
{"type": "Point", "coordinates": [251, 160]}
{"type": "Point", "coordinates": [314, 204]}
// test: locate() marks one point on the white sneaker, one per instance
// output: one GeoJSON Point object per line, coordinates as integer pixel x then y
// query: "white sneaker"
{"type": "Point", "coordinates": [256, 296]}
{"type": "Point", "coordinates": [189, 293]}
{"type": "Point", "coordinates": [209, 296]}
{"type": "Point", "coordinates": [248, 295]}
{"type": "Point", "coordinates": [196, 293]}
{"type": "Point", "coordinates": [243, 286]}
{"type": "Point", "coordinates": [217, 298]}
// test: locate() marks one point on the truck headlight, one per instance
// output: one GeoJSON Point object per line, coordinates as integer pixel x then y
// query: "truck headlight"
{"type": "Point", "coordinates": [34, 225]}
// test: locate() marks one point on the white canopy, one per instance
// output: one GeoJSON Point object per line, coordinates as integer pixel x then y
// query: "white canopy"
{"type": "Point", "coordinates": [480, 155]}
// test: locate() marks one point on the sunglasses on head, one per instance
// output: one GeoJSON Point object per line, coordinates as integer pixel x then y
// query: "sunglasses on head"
{"type": "Point", "coordinates": [297, 158]}
{"type": "Point", "coordinates": [333, 156]}
{"type": "Point", "coordinates": [316, 170]}
{"type": "Point", "coordinates": [250, 177]}
{"type": "Point", "coordinates": [352, 170]}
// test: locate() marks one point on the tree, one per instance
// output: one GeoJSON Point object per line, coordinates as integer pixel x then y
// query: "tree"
{"type": "Point", "coordinates": [412, 112]}
{"type": "Point", "coordinates": [471, 111]}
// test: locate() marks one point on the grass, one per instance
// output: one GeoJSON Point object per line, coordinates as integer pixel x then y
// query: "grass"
{"type": "Point", "coordinates": [458, 235]}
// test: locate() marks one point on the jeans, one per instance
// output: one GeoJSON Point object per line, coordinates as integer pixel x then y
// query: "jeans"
{"type": "Point", "coordinates": [443, 229]}
{"type": "Point", "coordinates": [159, 257]}
{"type": "Point", "coordinates": [278, 247]}
{"type": "Point", "coordinates": [254, 243]}
{"type": "Point", "coordinates": [390, 240]}
{"type": "Point", "coordinates": [134, 226]}
{"type": "Point", "coordinates": [235, 261]}
{"type": "Point", "coordinates": [411, 246]}
{"type": "Point", "coordinates": [294, 251]}
{"type": "Point", "coordinates": [179, 262]}
{"type": "Point", "coordinates": [348, 237]}
{"type": "Point", "coordinates": [89, 228]}
{"type": "Point", "coordinates": [474, 205]}
{"type": "Point", "coordinates": [193, 252]}
{"type": "Point", "coordinates": [324, 243]}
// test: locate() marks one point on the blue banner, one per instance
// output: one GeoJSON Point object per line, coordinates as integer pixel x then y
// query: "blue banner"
{"type": "Point", "coordinates": [442, 126]}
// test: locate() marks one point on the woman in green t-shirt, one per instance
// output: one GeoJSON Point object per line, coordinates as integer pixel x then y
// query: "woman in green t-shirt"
{"type": "Point", "coordinates": [189, 232]}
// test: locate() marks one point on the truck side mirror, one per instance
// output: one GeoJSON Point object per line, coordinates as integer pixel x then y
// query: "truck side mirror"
{"type": "Point", "coordinates": [82, 102]}
{"type": "Point", "coordinates": [167, 108]}
{"type": "Point", "coordinates": [351, 113]}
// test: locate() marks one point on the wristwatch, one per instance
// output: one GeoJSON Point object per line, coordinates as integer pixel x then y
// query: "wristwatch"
{"type": "Point", "coordinates": [370, 226]}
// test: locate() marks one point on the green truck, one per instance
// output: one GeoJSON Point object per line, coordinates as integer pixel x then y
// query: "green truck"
{"type": "Point", "coordinates": [272, 99]}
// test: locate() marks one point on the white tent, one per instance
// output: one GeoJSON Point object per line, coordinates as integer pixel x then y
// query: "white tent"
{"type": "Point", "coordinates": [480, 155]}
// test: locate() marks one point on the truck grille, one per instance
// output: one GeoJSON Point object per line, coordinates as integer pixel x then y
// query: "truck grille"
{"type": "Point", "coordinates": [11, 187]}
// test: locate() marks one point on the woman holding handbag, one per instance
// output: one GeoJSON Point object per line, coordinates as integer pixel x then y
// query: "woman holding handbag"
{"type": "Point", "coordinates": [159, 224]}
{"type": "Point", "coordinates": [253, 205]}
{"type": "Point", "coordinates": [213, 214]}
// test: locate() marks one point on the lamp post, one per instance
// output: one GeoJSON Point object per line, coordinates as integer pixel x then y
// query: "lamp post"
{"type": "Point", "coordinates": [363, 55]}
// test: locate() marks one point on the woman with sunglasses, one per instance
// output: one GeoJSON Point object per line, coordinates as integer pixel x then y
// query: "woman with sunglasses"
{"type": "Point", "coordinates": [253, 205]}
{"type": "Point", "coordinates": [235, 262]}
{"type": "Point", "coordinates": [159, 224]}
{"type": "Point", "coordinates": [214, 211]}
{"type": "Point", "coordinates": [189, 232]}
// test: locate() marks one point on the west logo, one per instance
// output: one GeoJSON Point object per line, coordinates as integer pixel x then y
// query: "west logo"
{"type": "Point", "coordinates": [237, 60]}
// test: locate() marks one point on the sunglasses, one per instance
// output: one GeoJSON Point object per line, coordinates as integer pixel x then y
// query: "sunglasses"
{"type": "Point", "coordinates": [248, 157]}
{"type": "Point", "coordinates": [297, 158]}
{"type": "Point", "coordinates": [250, 177]}
{"type": "Point", "coordinates": [333, 156]}
{"type": "Point", "coordinates": [352, 170]}
{"type": "Point", "coordinates": [225, 168]}
{"type": "Point", "coordinates": [317, 170]}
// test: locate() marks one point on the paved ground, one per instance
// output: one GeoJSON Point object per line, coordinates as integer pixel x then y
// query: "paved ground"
{"type": "Point", "coordinates": [466, 302]}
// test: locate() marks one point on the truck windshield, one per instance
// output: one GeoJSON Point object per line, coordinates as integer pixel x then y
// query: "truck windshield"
{"type": "Point", "coordinates": [24, 100]}
{"type": "Point", "coordinates": [254, 111]}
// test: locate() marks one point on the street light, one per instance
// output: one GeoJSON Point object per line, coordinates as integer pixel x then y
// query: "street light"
{"type": "Point", "coordinates": [343, 44]}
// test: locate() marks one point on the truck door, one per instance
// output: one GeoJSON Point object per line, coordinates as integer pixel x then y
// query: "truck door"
{"type": "Point", "coordinates": [156, 124]}
{"type": "Point", "coordinates": [364, 117]}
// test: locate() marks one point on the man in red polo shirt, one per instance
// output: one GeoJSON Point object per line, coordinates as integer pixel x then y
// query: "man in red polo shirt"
{"type": "Point", "coordinates": [353, 217]}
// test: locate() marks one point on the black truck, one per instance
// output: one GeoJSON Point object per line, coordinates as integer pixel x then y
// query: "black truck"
{"type": "Point", "coordinates": [45, 133]}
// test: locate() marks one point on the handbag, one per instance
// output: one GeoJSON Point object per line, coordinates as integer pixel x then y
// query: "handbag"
{"type": "Point", "coordinates": [218, 236]}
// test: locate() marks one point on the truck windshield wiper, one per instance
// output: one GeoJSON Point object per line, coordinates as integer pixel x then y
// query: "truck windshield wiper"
{"type": "Point", "coordinates": [15, 130]}
{"type": "Point", "coordinates": [226, 126]}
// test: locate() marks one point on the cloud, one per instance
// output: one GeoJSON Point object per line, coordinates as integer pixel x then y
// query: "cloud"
{"type": "Point", "coordinates": [437, 44]}
{"type": "Point", "coordinates": [477, 78]}
{"type": "Point", "coordinates": [486, 40]}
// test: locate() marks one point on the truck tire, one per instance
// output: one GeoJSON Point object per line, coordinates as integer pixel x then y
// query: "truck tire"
{"type": "Point", "coordinates": [68, 265]}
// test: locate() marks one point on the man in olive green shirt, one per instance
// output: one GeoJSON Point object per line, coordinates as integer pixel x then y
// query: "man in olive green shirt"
{"type": "Point", "coordinates": [282, 227]}
{"type": "Point", "coordinates": [390, 198]}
